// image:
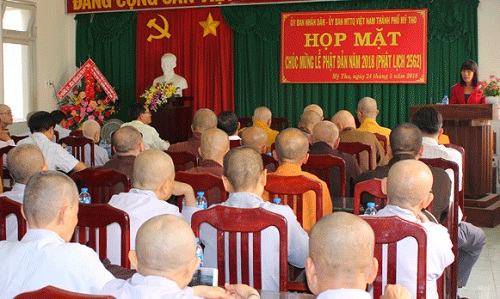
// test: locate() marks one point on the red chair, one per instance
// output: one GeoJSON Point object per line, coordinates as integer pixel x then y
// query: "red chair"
{"type": "Point", "coordinates": [223, 219]}
{"type": "Point", "coordinates": [5, 174]}
{"type": "Point", "coordinates": [183, 160]}
{"type": "Point", "coordinates": [322, 166]}
{"type": "Point", "coordinates": [8, 207]}
{"type": "Point", "coordinates": [210, 184]}
{"type": "Point", "coordinates": [450, 282]}
{"type": "Point", "coordinates": [383, 141]}
{"type": "Point", "coordinates": [356, 149]}
{"type": "Point", "coordinates": [234, 143]}
{"type": "Point", "coordinates": [280, 123]}
{"type": "Point", "coordinates": [102, 184]}
{"type": "Point", "coordinates": [291, 189]}
{"type": "Point", "coordinates": [56, 135]}
{"type": "Point", "coordinates": [18, 138]}
{"type": "Point", "coordinates": [50, 292]}
{"type": "Point", "coordinates": [461, 195]}
{"type": "Point", "coordinates": [372, 187]}
{"type": "Point", "coordinates": [76, 133]}
{"type": "Point", "coordinates": [78, 147]}
{"type": "Point", "coordinates": [388, 231]}
{"type": "Point", "coordinates": [269, 160]}
{"type": "Point", "coordinates": [93, 220]}
{"type": "Point", "coordinates": [245, 122]}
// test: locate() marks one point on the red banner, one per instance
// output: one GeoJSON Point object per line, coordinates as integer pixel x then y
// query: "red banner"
{"type": "Point", "coordinates": [86, 6]}
{"type": "Point", "coordinates": [386, 46]}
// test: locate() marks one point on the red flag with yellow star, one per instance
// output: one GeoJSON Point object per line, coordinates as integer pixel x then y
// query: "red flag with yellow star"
{"type": "Point", "coordinates": [202, 43]}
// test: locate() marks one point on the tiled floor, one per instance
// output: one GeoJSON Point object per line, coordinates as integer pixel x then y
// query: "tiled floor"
{"type": "Point", "coordinates": [484, 282]}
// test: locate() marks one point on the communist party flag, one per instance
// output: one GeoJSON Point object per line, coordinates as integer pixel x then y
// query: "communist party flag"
{"type": "Point", "coordinates": [202, 43]}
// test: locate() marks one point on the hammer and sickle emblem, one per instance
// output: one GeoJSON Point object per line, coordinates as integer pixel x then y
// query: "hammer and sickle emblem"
{"type": "Point", "coordinates": [163, 31]}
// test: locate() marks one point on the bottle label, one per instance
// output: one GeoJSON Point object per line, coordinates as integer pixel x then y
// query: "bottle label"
{"type": "Point", "coordinates": [202, 205]}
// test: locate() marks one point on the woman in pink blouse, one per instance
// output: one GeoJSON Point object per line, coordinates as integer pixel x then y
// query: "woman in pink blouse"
{"type": "Point", "coordinates": [467, 91]}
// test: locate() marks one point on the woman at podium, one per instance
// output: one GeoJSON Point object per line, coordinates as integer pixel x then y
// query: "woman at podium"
{"type": "Point", "coordinates": [467, 90]}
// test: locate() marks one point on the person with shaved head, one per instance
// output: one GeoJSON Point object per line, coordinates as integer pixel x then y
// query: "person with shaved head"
{"type": "Point", "coordinates": [316, 108]}
{"type": "Point", "coordinates": [92, 130]}
{"type": "Point", "coordinates": [291, 152]}
{"type": "Point", "coordinates": [6, 119]}
{"type": "Point", "coordinates": [214, 145]}
{"type": "Point", "coordinates": [244, 178]}
{"type": "Point", "coordinates": [308, 120]}
{"type": "Point", "coordinates": [203, 119]}
{"type": "Point", "coordinates": [348, 133]}
{"type": "Point", "coordinates": [127, 143]}
{"type": "Point", "coordinates": [153, 184]}
{"type": "Point", "coordinates": [256, 138]}
{"type": "Point", "coordinates": [340, 262]}
{"type": "Point", "coordinates": [44, 256]}
{"type": "Point", "coordinates": [326, 140]}
{"type": "Point", "coordinates": [165, 259]}
{"type": "Point", "coordinates": [367, 114]}
{"type": "Point", "coordinates": [140, 118]}
{"type": "Point", "coordinates": [25, 160]}
{"type": "Point", "coordinates": [262, 118]}
{"type": "Point", "coordinates": [409, 190]}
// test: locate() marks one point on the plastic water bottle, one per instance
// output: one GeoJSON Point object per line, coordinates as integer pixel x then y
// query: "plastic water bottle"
{"type": "Point", "coordinates": [446, 100]}
{"type": "Point", "coordinates": [199, 251]}
{"type": "Point", "coordinates": [277, 201]}
{"type": "Point", "coordinates": [269, 154]}
{"type": "Point", "coordinates": [85, 196]}
{"type": "Point", "coordinates": [370, 210]}
{"type": "Point", "coordinates": [201, 201]}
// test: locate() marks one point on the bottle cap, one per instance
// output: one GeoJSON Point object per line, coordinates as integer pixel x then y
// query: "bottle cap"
{"type": "Point", "coordinates": [200, 193]}
{"type": "Point", "coordinates": [370, 204]}
{"type": "Point", "coordinates": [85, 189]}
{"type": "Point", "coordinates": [277, 200]}
{"type": "Point", "coordinates": [445, 95]}
{"type": "Point", "coordinates": [197, 240]}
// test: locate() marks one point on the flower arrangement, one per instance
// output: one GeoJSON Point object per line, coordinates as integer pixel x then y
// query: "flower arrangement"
{"type": "Point", "coordinates": [492, 88]}
{"type": "Point", "coordinates": [87, 101]}
{"type": "Point", "coordinates": [158, 94]}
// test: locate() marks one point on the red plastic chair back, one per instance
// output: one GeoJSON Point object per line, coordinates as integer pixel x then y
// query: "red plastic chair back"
{"type": "Point", "coordinates": [5, 174]}
{"type": "Point", "coordinates": [183, 160]}
{"type": "Point", "coordinates": [372, 187]}
{"type": "Point", "coordinates": [234, 143]}
{"type": "Point", "coordinates": [383, 141]}
{"type": "Point", "coordinates": [7, 207]}
{"type": "Point", "coordinates": [77, 145]}
{"type": "Point", "coordinates": [291, 189]}
{"type": "Point", "coordinates": [50, 292]}
{"type": "Point", "coordinates": [266, 160]}
{"type": "Point", "coordinates": [280, 123]}
{"type": "Point", "coordinates": [210, 184]}
{"type": "Point", "coordinates": [91, 229]}
{"type": "Point", "coordinates": [17, 138]}
{"type": "Point", "coordinates": [390, 230]}
{"type": "Point", "coordinates": [102, 184]}
{"type": "Point", "coordinates": [76, 133]}
{"type": "Point", "coordinates": [450, 282]}
{"type": "Point", "coordinates": [242, 222]}
{"type": "Point", "coordinates": [56, 135]}
{"type": "Point", "coordinates": [356, 149]}
{"type": "Point", "coordinates": [245, 122]}
{"type": "Point", "coordinates": [461, 195]}
{"type": "Point", "coordinates": [322, 165]}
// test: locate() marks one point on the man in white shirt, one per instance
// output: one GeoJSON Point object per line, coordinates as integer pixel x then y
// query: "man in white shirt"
{"type": "Point", "coordinates": [42, 126]}
{"type": "Point", "coordinates": [140, 117]}
{"type": "Point", "coordinates": [60, 127]}
{"type": "Point", "coordinates": [244, 178]}
{"type": "Point", "coordinates": [44, 257]}
{"type": "Point", "coordinates": [25, 160]}
{"type": "Point", "coordinates": [471, 239]}
{"type": "Point", "coordinates": [152, 186]}
{"type": "Point", "coordinates": [165, 258]}
{"type": "Point", "coordinates": [341, 263]}
{"type": "Point", "coordinates": [92, 130]}
{"type": "Point", "coordinates": [409, 186]}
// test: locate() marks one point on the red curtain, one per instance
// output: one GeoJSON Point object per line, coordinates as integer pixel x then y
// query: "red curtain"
{"type": "Point", "coordinates": [205, 62]}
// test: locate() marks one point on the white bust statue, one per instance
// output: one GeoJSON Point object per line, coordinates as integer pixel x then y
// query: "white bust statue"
{"type": "Point", "coordinates": [168, 63]}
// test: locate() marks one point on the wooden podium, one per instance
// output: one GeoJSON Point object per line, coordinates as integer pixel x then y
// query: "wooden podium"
{"type": "Point", "coordinates": [469, 126]}
{"type": "Point", "coordinates": [173, 120]}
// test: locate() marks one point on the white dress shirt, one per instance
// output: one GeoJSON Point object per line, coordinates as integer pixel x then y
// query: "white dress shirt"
{"type": "Point", "coordinates": [63, 132]}
{"type": "Point", "coordinates": [42, 258]}
{"type": "Point", "coordinates": [100, 156]}
{"type": "Point", "coordinates": [150, 136]}
{"type": "Point", "coordinates": [150, 286]}
{"type": "Point", "coordinates": [344, 294]}
{"type": "Point", "coordinates": [16, 194]}
{"type": "Point", "coordinates": [140, 205]}
{"type": "Point", "coordinates": [56, 156]}
{"type": "Point", "coordinates": [439, 253]}
{"type": "Point", "coordinates": [298, 240]}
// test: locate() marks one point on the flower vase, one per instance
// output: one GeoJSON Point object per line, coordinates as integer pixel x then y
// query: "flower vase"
{"type": "Point", "coordinates": [493, 100]}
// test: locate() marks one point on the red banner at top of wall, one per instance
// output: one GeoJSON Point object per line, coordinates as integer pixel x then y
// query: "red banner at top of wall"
{"type": "Point", "coordinates": [86, 6]}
